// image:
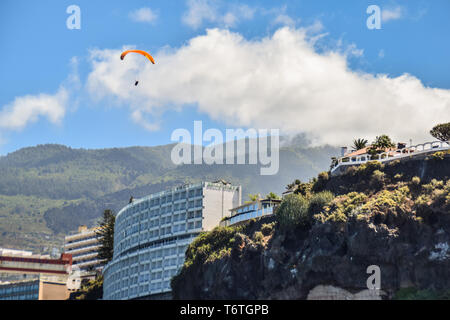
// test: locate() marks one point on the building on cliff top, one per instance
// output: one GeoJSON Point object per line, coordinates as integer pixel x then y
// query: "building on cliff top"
{"type": "Point", "coordinates": [250, 210]}
{"type": "Point", "coordinates": [358, 157]}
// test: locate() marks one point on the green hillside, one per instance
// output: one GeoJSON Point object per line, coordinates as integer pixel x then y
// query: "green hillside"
{"type": "Point", "coordinates": [48, 190]}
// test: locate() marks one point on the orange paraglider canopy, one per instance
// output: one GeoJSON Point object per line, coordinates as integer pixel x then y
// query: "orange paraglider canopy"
{"type": "Point", "coordinates": [149, 57]}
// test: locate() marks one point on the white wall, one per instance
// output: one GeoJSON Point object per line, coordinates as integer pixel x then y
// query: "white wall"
{"type": "Point", "coordinates": [217, 204]}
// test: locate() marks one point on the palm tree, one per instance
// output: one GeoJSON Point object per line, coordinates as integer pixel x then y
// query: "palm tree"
{"type": "Point", "coordinates": [253, 197]}
{"type": "Point", "coordinates": [272, 196]}
{"type": "Point", "coordinates": [380, 145]}
{"type": "Point", "coordinates": [359, 144]}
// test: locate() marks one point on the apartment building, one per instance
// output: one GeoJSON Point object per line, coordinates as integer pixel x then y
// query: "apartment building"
{"type": "Point", "coordinates": [40, 288]}
{"type": "Point", "coordinates": [152, 234]}
{"type": "Point", "coordinates": [83, 247]}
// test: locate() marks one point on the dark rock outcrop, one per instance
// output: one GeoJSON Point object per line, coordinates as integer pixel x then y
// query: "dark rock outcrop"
{"type": "Point", "coordinates": [291, 265]}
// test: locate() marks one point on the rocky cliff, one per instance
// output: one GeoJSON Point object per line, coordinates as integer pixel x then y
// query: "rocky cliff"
{"type": "Point", "coordinates": [389, 217]}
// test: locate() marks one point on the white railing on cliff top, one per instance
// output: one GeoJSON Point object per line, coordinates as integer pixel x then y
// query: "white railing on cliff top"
{"type": "Point", "coordinates": [393, 154]}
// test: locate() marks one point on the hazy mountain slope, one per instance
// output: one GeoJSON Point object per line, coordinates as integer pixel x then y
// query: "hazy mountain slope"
{"type": "Point", "coordinates": [48, 190]}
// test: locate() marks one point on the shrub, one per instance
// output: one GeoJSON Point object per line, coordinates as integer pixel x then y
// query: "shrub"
{"type": "Point", "coordinates": [258, 237]}
{"type": "Point", "coordinates": [304, 189]}
{"type": "Point", "coordinates": [386, 200]}
{"type": "Point", "coordinates": [427, 294]}
{"type": "Point", "coordinates": [369, 167]}
{"type": "Point", "coordinates": [89, 290]}
{"type": "Point", "coordinates": [377, 179]}
{"type": "Point", "coordinates": [341, 207]}
{"type": "Point", "coordinates": [438, 155]}
{"type": "Point", "coordinates": [318, 202]}
{"type": "Point", "coordinates": [266, 228]}
{"type": "Point", "coordinates": [210, 243]}
{"type": "Point", "coordinates": [415, 180]}
{"type": "Point", "coordinates": [293, 211]}
{"type": "Point", "coordinates": [321, 182]}
{"type": "Point", "coordinates": [415, 184]}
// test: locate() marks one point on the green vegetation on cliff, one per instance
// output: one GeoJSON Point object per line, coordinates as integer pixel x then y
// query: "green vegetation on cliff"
{"type": "Point", "coordinates": [394, 215]}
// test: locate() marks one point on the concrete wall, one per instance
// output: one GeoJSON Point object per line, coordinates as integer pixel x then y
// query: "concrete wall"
{"type": "Point", "coordinates": [217, 203]}
{"type": "Point", "coordinates": [53, 291]}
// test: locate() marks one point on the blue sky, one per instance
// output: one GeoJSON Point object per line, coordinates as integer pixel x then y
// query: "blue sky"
{"type": "Point", "coordinates": [38, 49]}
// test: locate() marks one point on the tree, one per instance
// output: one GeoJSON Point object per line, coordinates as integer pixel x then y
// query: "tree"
{"type": "Point", "coordinates": [359, 144]}
{"type": "Point", "coordinates": [293, 184]}
{"type": "Point", "coordinates": [253, 197]}
{"type": "Point", "coordinates": [383, 142]}
{"type": "Point", "coordinates": [105, 236]}
{"type": "Point", "coordinates": [380, 145]}
{"type": "Point", "coordinates": [272, 196]}
{"type": "Point", "coordinates": [441, 131]}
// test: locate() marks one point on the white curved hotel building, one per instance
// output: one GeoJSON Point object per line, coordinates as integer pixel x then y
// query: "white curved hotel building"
{"type": "Point", "coordinates": [152, 233]}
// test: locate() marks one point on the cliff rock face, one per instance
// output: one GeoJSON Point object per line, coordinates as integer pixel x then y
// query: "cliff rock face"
{"type": "Point", "coordinates": [411, 254]}
{"type": "Point", "coordinates": [401, 226]}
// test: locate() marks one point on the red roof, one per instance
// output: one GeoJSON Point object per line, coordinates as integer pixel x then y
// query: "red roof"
{"type": "Point", "coordinates": [364, 151]}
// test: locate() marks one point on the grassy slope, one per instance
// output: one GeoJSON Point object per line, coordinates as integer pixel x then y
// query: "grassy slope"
{"type": "Point", "coordinates": [48, 190]}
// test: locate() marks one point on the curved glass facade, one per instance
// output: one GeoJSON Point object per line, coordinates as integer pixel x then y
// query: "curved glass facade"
{"type": "Point", "coordinates": [151, 236]}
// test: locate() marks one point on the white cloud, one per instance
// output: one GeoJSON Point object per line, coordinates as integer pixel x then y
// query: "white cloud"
{"type": "Point", "coordinates": [27, 109]}
{"type": "Point", "coordinates": [215, 11]}
{"type": "Point", "coordinates": [284, 19]}
{"type": "Point", "coordinates": [389, 14]}
{"type": "Point", "coordinates": [279, 81]}
{"type": "Point", "coordinates": [146, 15]}
{"type": "Point", "coordinates": [198, 11]}
{"type": "Point", "coordinates": [280, 17]}
{"type": "Point", "coordinates": [138, 117]}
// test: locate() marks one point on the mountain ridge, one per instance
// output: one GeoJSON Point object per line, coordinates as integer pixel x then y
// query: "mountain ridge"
{"type": "Point", "coordinates": [48, 190]}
